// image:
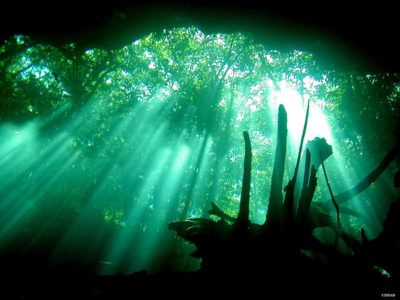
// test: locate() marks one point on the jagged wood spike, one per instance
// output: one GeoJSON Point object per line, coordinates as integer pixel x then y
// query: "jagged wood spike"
{"type": "Point", "coordinates": [274, 211]}
{"type": "Point", "coordinates": [306, 172]}
{"type": "Point", "coordinates": [243, 216]}
{"type": "Point", "coordinates": [370, 178]}
{"type": "Point", "coordinates": [296, 170]}
{"type": "Point", "coordinates": [289, 196]}
{"type": "Point", "coordinates": [301, 204]}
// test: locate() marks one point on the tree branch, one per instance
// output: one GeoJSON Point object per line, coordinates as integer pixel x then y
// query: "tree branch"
{"type": "Point", "coordinates": [370, 178]}
{"type": "Point", "coordinates": [289, 196]}
{"type": "Point", "coordinates": [334, 202]}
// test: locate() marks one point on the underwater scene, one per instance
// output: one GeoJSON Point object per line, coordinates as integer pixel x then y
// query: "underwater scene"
{"type": "Point", "coordinates": [196, 159]}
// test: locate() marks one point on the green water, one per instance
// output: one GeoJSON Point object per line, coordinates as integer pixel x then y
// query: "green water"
{"type": "Point", "coordinates": [101, 149]}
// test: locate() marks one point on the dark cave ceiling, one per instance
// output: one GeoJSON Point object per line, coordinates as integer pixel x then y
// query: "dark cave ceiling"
{"type": "Point", "coordinates": [356, 38]}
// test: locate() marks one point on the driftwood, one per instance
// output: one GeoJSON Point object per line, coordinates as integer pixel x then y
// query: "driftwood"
{"type": "Point", "coordinates": [235, 245]}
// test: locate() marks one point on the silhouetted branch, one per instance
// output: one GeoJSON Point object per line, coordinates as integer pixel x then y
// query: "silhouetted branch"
{"type": "Point", "coordinates": [335, 204]}
{"type": "Point", "coordinates": [370, 178]}
{"type": "Point", "coordinates": [305, 202]}
{"type": "Point", "coordinates": [302, 201]}
{"type": "Point", "coordinates": [296, 170]}
{"type": "Point", "coordinates": [289, 196]}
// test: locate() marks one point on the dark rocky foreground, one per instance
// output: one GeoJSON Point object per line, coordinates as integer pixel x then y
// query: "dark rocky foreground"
{"type": "Point", "coordinates": [309, 282]}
